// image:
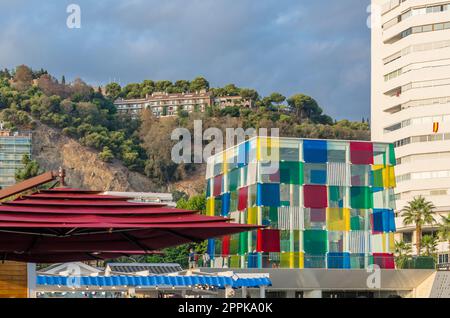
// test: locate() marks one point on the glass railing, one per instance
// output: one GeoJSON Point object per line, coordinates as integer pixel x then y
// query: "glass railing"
{"type": "Point", "coordinates": [417, 262]}
{"type": "Point", "coordinates": [297, 260]}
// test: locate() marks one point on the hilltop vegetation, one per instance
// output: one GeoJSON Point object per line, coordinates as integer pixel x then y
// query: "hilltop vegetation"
{"type": "Point", "coordinates": [143, 145]}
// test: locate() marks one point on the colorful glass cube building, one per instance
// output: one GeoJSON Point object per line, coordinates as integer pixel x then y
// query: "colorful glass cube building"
{"type": "Point", "coordinates": [327, 204]}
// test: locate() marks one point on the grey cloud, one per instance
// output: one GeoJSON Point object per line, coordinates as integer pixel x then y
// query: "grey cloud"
{"type": "Point", "coordinates": [321, 47]}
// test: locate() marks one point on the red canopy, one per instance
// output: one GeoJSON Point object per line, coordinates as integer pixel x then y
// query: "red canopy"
{"type": "Point", "coordinates": [71, 224]}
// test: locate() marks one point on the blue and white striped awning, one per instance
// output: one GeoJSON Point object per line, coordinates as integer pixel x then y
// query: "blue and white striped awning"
{"type": "Point", "coordinates": [152, 281]}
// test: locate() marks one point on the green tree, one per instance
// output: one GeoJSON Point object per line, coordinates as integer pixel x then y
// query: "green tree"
{"type": "Point", "coordinates": [303, 105]}
{"type": "Point", "coordinates": [113, 90]}
{"type": "Point", "coordinates": [444, 229]}
{"type": "Point", "coordinates": [106, 155]}
{"type": "Point", "coordinates": [163, 86]}
{"type": "Point", "coordinates": [402, 253]}
{"type": "Point", "coordinates": [30, 169]}
{"type": "Point", "coordinates": [182, 86]}
{"type": "Point", "coordinates": [278, 99]}
{"type": "Point", "coordinates": [198, 84]}
{"type": "Point", "coordinates": [418, 212]}
{"type": "Point", "coordinates": [429, 245]}
{"type": "Point", "coordinates": [195, 203]}
{"type": "Point", "coordinates": [249, 94]}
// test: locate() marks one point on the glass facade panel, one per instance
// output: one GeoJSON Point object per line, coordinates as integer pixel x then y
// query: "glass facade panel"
{"type": "Point", "coordinates": [329, 204]}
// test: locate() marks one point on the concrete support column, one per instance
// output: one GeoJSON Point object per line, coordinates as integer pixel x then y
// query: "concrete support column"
{"type": "Point", "coordinates": [228, 292]}
{"type": "Point", "coordinates": [317, 293]}
{"type": "Point", "coordinates": [244, 292]}
{"type": "Point", "coordinates": [262, 292]}
{"type": "Point", "coordinates": [31, 280]}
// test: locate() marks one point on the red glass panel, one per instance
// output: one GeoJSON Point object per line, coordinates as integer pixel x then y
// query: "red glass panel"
{"type": "Point", "coordinates": [243, 199]}
{"type": "Point", "coordinates": [361, 153]}
{"type": "Point", "coordinates": [315, 196]}
{"type": "Point", "coordinates": [268, 241]}
{"type": "Point", "coordinates": [217, 185]}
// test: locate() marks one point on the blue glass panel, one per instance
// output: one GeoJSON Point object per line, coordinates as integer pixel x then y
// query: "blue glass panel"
{"type": "Point", "coordinates": [268, 194]}
{"type": "Point", "coordinates": [315, 151]}
{"type": "Point", "coordinates": [243, 154]}
{"type": "Point", "coordinates": [378, 225]}
{"type": "Point", "coordinates": [226, 204]}
{"type": "Point", "coordinates": [318, 176]}
{"type": "Point", "coordinates": [211, 248]}
{"type": "Point", "coordinates": [338, 260]}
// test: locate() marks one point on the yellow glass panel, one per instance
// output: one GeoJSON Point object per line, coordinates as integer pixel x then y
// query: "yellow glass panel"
{"type": "Point", "coordinates": [210, 207]}
{"type": "Point", "coordinates": [391, 242]}
{"type": "Point", "coordinates": [301, 260]}
{"type": "Point", "coordinates": [268, 149]}
{"type": "Point", "coordinates": [377, 167]}
{"type": "Point", "coordinates": [285, 259]}
{"type": "Point", "coordinates": [389, 177]}
{"type": "Point", "coordinates": [235, 261]}
{"type": "Point", "coordinates": [292, 260]}
{"type": "Point", "coordinates": [252, 215]}
{"type": "Point", "coordinates": [338, 219]}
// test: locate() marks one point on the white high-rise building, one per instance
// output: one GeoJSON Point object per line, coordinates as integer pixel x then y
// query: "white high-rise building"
{"type": "Point", "coordinates": [411, 100]}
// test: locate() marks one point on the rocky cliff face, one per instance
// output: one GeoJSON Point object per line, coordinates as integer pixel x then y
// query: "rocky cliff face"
{"type": "Point", "coordinates": [83, 167]}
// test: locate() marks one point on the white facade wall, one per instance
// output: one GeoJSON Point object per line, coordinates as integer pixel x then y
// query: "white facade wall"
{"type": "Point", "coordinates": [425, 64]}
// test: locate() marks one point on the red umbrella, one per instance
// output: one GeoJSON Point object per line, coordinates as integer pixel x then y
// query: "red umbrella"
{"type": "Point", "coordinates": [72, 224]}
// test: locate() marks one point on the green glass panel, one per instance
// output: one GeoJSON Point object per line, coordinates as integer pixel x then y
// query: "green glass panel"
{"type": "Point", "coordinates": [291, 172]}
{"type": "Point", "coordinates": [218, 247]}
{"type": "Point", "coordinates": [285, 241]}
{"type": "Point", "coordinates": [315, 242]}
{"type": "Point", "coordinates": [392, 160]}
{"type": "Point", "coordinates": [218, 206]}
{"type": "Point", "coordinates": [243, 243]}
{"type": "Point", "coordinates": [356, 261]}
{"type": "Point", "coordinates": [233, 179]}
{"type": "Point", "coordinates": [234, 244]}
{"type": "Point", "coordinates": [336, 197]}
{"type": "Point", "coordinates": [361, 198]}
{"type": "Point", "coordinates": [355, 223]}
{"type": "Point", "coordinates": [234, 201]}
{"type": "Point", "coordinates": [377, 178]}
{"type": "Point", "coordinates": [270, 216]}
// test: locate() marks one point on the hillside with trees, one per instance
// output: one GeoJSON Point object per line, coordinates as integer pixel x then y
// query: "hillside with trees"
{"type": "Point", "coordinates": [29, 98]}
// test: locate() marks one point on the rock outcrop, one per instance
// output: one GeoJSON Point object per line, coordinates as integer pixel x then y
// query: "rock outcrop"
{"type": "Point", "coordinates": [83, 167]}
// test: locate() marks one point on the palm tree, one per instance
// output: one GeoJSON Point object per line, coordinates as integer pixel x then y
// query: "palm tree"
{"type": "Point", "coordinates": [402, 253]}
{"type": "Point", "coordinates": [444, 229]}
{"type": "Point", "coordinates": [429, 244]}
{"type": "Point", "coordinates": [418, 212]}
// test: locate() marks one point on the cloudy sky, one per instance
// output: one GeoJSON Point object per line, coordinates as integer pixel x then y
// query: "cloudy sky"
{"type": "Point", "coordinates": [317, 47]}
